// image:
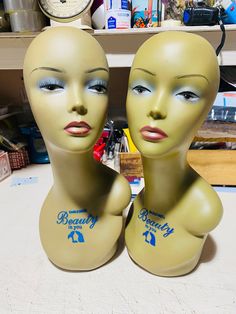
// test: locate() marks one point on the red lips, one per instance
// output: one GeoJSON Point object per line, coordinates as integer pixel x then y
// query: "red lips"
{"type": "Point", "coordinates": [152, 134]}
{"type": "Point", "coordinates": [78, 128]}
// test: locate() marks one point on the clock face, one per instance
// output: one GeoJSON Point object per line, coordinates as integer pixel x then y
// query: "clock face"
{"type": "Point", "coordinates": [64, 10]}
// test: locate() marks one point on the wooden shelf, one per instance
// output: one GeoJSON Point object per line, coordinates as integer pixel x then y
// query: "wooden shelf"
{"type": "Point", "coordinates": [216, 166]}
{"type": "Point", "coordinates": [120, 45]}
{"type": "Point", "coordinates": [217, 131]}
{"type": "Point", "coordinates": [155, 30]}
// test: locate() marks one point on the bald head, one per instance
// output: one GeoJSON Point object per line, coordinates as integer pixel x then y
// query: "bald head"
{"type": "Point", "coordinates": [173, 82]}
{"type": "Point", "coordinates": [183, 52]}
{"type": "Point", "coordinates": [64, 46]}
{"type": "Point", "coordinates": [66, 78]}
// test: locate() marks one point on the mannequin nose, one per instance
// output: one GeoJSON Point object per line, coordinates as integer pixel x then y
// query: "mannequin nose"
{"type": "Point", "coordinates": [158, 108]}
{"type": "Point", "coordinates": [157, 114]}
{"type": "Point", "coordinates": [76, 104]}
{"type": "Point", "coordinates": [80, 109]}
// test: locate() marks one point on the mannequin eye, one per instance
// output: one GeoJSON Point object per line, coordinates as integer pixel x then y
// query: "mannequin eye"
{"type": "Point", "coordinates": [97, 87]}
{"type": "Point", "coordinates": [188, 96]}
{"type": "Point", "coordinates": [139, 89]}
{"type": "Point", "coordinates": [51, 85]}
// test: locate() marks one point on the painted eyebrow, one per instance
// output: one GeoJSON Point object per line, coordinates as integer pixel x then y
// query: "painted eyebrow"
{"type": "Point", "coordinates": [48, 69]}
{"type": "Point", "coordinates": [96, 69]}
{"type": "Point", "coordinates": [193, 75]}
{"type": "Point", "coordinates": [146, 71]}
{"type": "Point", "coordinates": [63, 71]}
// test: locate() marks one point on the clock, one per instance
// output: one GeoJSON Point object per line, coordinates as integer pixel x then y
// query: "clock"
{"type": "Point", "coordinates": [64, 11]}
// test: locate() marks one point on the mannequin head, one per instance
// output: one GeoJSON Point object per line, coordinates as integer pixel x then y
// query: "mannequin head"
{"type": "Point", "coordinates": [173, 82]}
{"type": "Point", "coordinates": [66, 77]}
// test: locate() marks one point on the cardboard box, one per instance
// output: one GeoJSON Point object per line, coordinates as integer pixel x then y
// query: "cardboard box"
{"type": "Point", "coordinates": [131, 165]}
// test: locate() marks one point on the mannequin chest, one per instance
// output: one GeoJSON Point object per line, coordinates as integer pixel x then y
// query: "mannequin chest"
{"type": "Point", "coordinates": [161, 242]}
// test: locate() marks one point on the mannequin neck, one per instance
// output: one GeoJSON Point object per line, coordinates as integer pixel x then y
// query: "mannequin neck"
{"type": "Point", "coordinates": [75, 174]}
{"type": "Point", "coordinates": [165, 181]}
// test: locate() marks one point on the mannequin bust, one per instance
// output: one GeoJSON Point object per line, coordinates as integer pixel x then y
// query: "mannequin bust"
{"type": "Point", "coordinates": [66, 78]}
{"type": "Point", "coordinates": [173, 82]}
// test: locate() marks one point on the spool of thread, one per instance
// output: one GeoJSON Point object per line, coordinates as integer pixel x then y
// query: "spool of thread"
{"type": "Point", "coordinates": [27, 21]}
{"type": "Point", "coordinates": [15, 5]}
{"type": "Point", "coordinates": [117, 14]}
{"type": "Point", "coordinates": [118, 19]}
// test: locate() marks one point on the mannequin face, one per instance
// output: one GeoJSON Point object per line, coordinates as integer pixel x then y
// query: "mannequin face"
{"type": "Point", "coordinates": [66, 78]}
{"type": "Point", "coordinates": [173, 83]}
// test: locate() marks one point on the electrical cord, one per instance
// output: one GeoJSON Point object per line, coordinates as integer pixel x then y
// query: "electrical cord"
{"type": "Point", "coordinates": [223, 37]}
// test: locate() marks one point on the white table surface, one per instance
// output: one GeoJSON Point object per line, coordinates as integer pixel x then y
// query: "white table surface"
{"type": "Point", "coordinates": [29, 283]}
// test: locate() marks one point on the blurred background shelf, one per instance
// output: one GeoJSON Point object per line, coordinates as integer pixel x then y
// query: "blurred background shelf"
{"type": "Point", "coordinates": [119, 45]}
{"type": "Point", "coordinates": [216, 131]}
{"type": "Point", "coordinates": [8, 115]}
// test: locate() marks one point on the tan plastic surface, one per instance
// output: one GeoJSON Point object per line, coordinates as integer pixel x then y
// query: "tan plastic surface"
{"type": "Point", "coordinates": [66, 75]}
{"type": "Point", "coordinates": [173, 83]}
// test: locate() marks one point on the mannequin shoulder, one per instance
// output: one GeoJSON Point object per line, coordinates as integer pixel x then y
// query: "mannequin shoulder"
{"type": "Point", "coordinates": [119, 195]}
{"type": "Point", "coordinates": [205, 210]}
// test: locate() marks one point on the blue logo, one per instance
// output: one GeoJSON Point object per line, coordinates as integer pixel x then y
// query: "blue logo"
{"type": "Point", "coordinates": [150, 238]}
{"type": "Point", "coordinates": [154, 223]}
{"type": "Point", "coordinates": [111, 22]}
{"type": "Point", "coordinates": [75, 223]}
{"type": "Point", "coordinates": [76, 237]}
